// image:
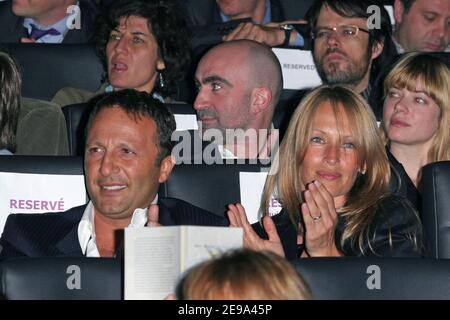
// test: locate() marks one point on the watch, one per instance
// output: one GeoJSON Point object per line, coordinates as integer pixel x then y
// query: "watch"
{"type": "Point", "coordinates": [287, 33]}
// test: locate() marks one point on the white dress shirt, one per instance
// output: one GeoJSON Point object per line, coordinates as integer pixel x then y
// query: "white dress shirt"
{"type": "Point", "coordinates": [86, 228]}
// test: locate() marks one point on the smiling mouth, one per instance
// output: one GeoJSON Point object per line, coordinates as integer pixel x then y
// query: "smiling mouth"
{"type": "Point", "coordinates": [329, 175]}
{"type": "Point", "coordinates": [113, 188]}
{"type": "Point", "coordinates": [399, 124]}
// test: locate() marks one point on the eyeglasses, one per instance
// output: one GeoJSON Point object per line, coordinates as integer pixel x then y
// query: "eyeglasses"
{"type": "Point", "coordinates": [344, 32]}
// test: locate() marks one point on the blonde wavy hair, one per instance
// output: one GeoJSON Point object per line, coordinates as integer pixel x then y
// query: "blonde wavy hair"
{"type": "Point", "coordinates": [434, 75]}
{"type": "Point", "coordinates": [243, 274]}
{"type": "Point", "coordinates": [368, 189]}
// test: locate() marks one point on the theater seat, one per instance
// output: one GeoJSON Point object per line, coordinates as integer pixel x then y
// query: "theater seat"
{"type": "Point", "coordinates": [47, 68]}
{"type": "Point", "coordinates": [37, 184]}
{"type": "Point", "coordinates": [208, 186]}
{"type": "Point", "coordinates": [435, 188]}
{"type": "Point", "coordinates": [61, 278]}
{"type": "Point", "coordinates": [375, 279]}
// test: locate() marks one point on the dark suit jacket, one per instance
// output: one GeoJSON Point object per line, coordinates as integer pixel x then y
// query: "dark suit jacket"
{"type": "Point", "coordinates": [56, 234]}
{"type": "Point", "coordinates": [11, 26]}
{"type": "Point", "coordinates": [390, 232]}
{"type": "Point", "coordinates": [207, 28]}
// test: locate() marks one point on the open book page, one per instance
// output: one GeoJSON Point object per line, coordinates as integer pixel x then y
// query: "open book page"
{"type": "Point", "coordinates": [152, 262]}
{"type": "Point", "coordinates": [203, 243]}
{"type": "Point", "coordinates": [156, 257]}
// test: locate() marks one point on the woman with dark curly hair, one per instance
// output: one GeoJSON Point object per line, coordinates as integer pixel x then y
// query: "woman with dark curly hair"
{"type": "Point", "coordinates": [143, 45]}
{"type": "Point", "coordinates": [10, 103]}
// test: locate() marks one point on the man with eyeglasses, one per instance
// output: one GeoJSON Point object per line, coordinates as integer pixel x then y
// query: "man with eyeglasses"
{"type": "Point", "coordinates": [346, 48]}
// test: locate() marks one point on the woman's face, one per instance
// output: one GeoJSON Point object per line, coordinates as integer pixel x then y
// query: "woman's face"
{"type": "Point", "coordinates": [331, 156]}
{"type": "Point", "coordinates": [410, 117]}
{"type": "Point", "coordinates": [132, 55]}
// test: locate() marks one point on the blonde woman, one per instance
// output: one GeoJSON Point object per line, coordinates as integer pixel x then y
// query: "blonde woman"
{"type": "Point", "coordinates": [244, 275]}
{"type": "Point", "coordinates": [416, 118]}
{"type": "Point", "coordinates": [332, 181]}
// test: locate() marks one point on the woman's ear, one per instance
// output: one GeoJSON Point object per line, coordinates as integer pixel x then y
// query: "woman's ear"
{"type": "Point", "coordinates": [160, 64]}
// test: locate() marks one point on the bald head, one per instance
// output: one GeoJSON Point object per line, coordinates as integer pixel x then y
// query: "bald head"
{"type": "Point", "coordinates": [259, 64]}
{"type": "Point", "coordinates": [239, 83]}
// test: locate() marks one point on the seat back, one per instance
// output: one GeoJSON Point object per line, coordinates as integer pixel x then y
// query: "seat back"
{"type": "Point", "coordinates": [435, 187]}
{"type": "Point", "coordinates": [47, 68]}
{"type": "Point", "coordinates": [375, 278]}
{"type": "Point", "coordinates": [61, 278]}
{"type": "Point", "coordinates": [208, 186]}
{"type": "Point", "coordinates": [37, 184]}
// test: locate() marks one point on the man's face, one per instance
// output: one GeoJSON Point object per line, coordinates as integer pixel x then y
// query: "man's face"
{"type": "Point", "coordinates": [425, 27]}
{"type": "Point", "coordinates": [224, 98]}
{"type": "Point", "coordinates": [132, 55]}
{"type": "Point", "coordinates": [120, 163]}
{"type": "Point", "coordinates": [237, 9]}
{"type": "Point", "coordinates": [343, 60]}
{"type": "Point", "coordinates": [39, 9]}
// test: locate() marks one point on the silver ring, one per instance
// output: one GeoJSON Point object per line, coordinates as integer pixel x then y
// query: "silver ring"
{"type": "Point", "coordinates": [316, 218]}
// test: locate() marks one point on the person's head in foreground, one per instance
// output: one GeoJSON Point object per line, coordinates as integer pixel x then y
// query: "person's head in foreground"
{"type": "Point", "coordinates": [243, 275]}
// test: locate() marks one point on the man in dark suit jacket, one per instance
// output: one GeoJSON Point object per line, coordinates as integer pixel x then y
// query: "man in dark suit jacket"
{"type": "Point", "coordinates": [128, 154]}
{"type": "Point", "coordinates": [15, 23]}
{"type": "Point", "coordinates": [210, 20]}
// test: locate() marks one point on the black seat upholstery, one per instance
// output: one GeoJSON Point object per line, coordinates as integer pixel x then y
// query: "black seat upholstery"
{"type": "Point", "coordinates": [210, 187]}
{"type": "Point", "coordinates": [42, 164]}
{"type": "Point", "coordinates": [435, 186]}
{"type": "Point", "coordinates": [76, 116]}
{"type": "Point", "coordinates": [47, 68]}
{"type": "Point", "coordinates": [61, 278]}
{"type": "Point", "coordinates": [357, 278]}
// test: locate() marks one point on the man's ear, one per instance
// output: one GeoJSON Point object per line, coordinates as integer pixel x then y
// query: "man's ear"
{"type": "Point", "coordinates": [399, 9]}
{"type": "Point", "coordinates": [166, 167]}
{"type": "Point", "coordinates": [260, 99]}
{"type": "Point", "coordinates": [377, 49]}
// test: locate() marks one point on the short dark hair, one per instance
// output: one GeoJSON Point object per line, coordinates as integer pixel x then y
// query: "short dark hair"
{"type": "Point", "coordinates": [407, 4]}
{"type": "Point", "coordinates": [358, 9]}
{"type": "Point", "coordinates": [141, 104]}
{"type": "Point", "coordinates": [168, 28]}
{"type": "Point", "coordinates": [10, 101]}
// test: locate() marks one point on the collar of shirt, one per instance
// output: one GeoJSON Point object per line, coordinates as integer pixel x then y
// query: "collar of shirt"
{"type": "Point", "coordinates": [228, 154]}
{"type": "Point", "coordinates": [155, 95]}
{"type": "Point", "coordinates": [5, 152]}
{"type": "Point", "coordinates": [267, 15]}
{"type": "Point", "coordinates": [398, 47]}
{"type": "Point", "coordinates": [86, 228]}
{"type": "Point", "coordinates": [366, 93]}
{"type": "Point", "coordinates": [60, 26]}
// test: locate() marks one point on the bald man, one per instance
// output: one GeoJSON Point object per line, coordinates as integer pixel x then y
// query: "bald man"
{"type": "Point", "coordinates": [239, 84]}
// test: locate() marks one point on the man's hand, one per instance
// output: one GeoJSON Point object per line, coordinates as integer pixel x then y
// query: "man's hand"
{"type": "Point", "coordinates": [153, 216]}
{"type": "Point", "coordinates": [27, 40]}
{"type": "Point", "coordinates": [269, 34]}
